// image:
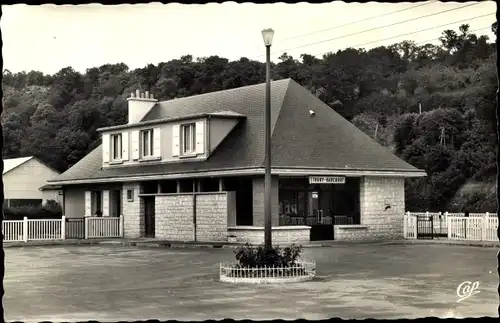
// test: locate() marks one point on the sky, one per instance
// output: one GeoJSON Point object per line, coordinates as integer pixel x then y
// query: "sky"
{"type": "Point", "coordinates": [48, 38]}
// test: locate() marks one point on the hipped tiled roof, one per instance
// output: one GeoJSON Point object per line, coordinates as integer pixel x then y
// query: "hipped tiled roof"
{"type": "Point", "coordinates": [325, 140]}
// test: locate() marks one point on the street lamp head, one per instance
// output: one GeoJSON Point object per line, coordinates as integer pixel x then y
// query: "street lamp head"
{"type": "Point", "coordinates": [267, 35]}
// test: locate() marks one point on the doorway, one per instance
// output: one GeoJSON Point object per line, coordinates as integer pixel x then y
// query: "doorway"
{"type": "Point", "coordinates": [243, 186]}
{"type": "Point", "coordinates": [149, 216]}
{"type": "Point", "coordinates": [319, 209]}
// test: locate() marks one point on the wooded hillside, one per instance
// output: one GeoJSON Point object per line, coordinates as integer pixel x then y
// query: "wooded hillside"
{"type": "Point", "coordinates": [434, 106]}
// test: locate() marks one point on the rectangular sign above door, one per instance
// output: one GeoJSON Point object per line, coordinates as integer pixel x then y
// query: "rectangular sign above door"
{"type": "Point", "coordinates": [326, 179]}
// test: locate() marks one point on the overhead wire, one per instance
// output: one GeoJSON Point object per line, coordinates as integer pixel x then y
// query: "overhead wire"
{"type": "Point", "coordinates": [375, 28]}
{"type": "Point", "coordinates": [413, 32]}
{"type": "Point", "coordinates": [432, 39]}
{"type": "Point", "coordinates": [358, 21]}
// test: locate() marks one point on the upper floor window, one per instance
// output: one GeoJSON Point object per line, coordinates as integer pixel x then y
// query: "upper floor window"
{"type": "Point", "coordinates": [188, 138]}
{"type": "Point", "coordinates": [116, 147]}
{"type": "Point", "coordinates": [147, 140]}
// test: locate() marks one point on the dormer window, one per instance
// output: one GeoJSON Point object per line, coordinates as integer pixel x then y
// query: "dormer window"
{"type": "Point", "coordinates": [147, 143]}
{"type": "Point", "coordinates": [116, 147]}
{"type": "Point", "coordinates": [188, 138]}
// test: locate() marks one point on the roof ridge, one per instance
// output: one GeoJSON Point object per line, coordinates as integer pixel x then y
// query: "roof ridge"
{"type": "Point", "coordinates": [225, 90]}
{"type": "Point", "coordinates": [273, 125]}
{"type": "Point", "coordinates": [209, 93]}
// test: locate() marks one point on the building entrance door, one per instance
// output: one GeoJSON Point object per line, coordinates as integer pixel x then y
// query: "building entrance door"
{"type": "Point", "coordinates": [319, 211]}
{"type": "Point", "coordinates": [149, 216]}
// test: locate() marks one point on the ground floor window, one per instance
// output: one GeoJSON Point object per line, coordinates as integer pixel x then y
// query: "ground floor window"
{"type": "Point", "coordinates": [209, 184]}
{"type": "Point", "coordinates": [168, 186]}
{"type": "Point", "coordinates": [115, 205]}
{"type": "Point", "coordinates": [187, 186]}
{"type": "Point", "coordinates": [96, 198]}
{"type": "Point", "coordinates": [150, 187]}
{"type": "Point", "coordinates": [301, 203]}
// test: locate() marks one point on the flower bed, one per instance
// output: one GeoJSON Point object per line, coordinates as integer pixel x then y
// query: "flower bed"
{"type": "Point", "coordinates": [272, 265]}
{"type": "Point", "coordinates": [300, 271]}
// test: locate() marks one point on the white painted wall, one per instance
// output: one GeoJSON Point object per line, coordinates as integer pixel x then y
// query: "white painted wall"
{"type": "Point", "coordinates": [164, 138]}
{"type": "Point", "coordinates": [24, 181]}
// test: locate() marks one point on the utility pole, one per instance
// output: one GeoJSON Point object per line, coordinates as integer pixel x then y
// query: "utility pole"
{"type": "Point", "coordinates": [420, 108]}
{"type": "Point", "coordinates": [375, 135]}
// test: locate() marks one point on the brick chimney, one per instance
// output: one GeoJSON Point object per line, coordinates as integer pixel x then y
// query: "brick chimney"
{"type": "Point", "coordinates": [139, 103]}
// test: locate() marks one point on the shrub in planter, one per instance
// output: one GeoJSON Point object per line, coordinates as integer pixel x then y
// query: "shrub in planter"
{"type": "Point", "coordinates": [279, 262]}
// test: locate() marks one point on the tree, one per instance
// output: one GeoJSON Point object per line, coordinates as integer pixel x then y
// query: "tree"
{"type": "Point", "coordinates": [40, 137]}
{"type": "Point", "coordinates": [453, 135]}
{"type": "Point", "coordinates": [13, 132]}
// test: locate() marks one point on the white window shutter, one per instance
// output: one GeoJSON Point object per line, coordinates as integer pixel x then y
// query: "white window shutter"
{"type": "Point", "coordinates": [105, 203]}
{"type": "Point", "coordinates": [176, 140]}
{"type": "Point", "coordinates": [157, 142]}
{"type": "Point", "coordinates": [88, 204]}
{"type": "Point", "coordinates": [125, 145]}
{"type": "Point", "coordinates": [105, 148]}
{"type": "Point", "coordinates": [200, 137]}
{"type": "Point", "coordinates": [135, 144]}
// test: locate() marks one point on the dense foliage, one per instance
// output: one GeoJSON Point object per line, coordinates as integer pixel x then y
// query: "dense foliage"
{"type": "Point", "coordinates": [434, 106]}
{"type": "Point", "coordinates": [252, 257]}
{"type": "Point", "coordinates": [50, 210]}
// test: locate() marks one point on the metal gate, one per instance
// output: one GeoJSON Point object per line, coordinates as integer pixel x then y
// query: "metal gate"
{"type": "Point", "coordinates": [425, 227]}
{"type": "Point", "coordinates": [75, 228]}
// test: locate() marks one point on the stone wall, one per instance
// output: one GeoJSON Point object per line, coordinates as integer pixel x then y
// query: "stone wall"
{"type": "Point", "coordinates": [283, 235]}
{"type": "Point", "coordinates": [211, 217]}
{"type": "Point", "coordinates": [133, 212]}
{"type": "Point", "coordinates": [174, 216]}
{"type": "Point", "coordinates": [258, 201]}
{"type": "Point", "coordinates": [351, 233]}
{"type": "Point", "coordinates": [382, 206]}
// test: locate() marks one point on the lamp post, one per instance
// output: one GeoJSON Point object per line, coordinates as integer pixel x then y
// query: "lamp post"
{"type": "Point", "coordinates": [267, 35]}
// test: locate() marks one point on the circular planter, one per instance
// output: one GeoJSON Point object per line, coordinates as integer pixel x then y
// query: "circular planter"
{"type": "Point", "coordinates": [301, 271]}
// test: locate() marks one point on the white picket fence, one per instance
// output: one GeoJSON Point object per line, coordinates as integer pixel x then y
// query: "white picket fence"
{"type": "Point", "coordinates": [103, 227]}
{"type": "Point", "coordinates": [55, 229]}
{"type": "Point", "coordinates": [455, 226]}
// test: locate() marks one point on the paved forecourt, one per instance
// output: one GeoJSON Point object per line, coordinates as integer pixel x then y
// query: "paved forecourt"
{"type": "Point", "coordinates": [75, 283]}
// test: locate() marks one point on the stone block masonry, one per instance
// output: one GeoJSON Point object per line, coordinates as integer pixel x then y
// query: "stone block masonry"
{"type": "Point", "coordinates": [283, 235]}
{"type": "Point", "coordinates": [351, 233]}
{"type": "Point", "coordinates": [382, 206]}
{"type": "Point", "coordinates": [133, 211]}
{"type": "Point", "coordinates": [211, 217]}
{"type": "Point", "coordinates": [175, 216]}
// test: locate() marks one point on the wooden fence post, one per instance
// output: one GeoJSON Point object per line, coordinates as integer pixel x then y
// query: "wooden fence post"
{"type": "Point", "coordinates": [448, 225]}
{"type": "Point", "coordinates": [121, 226]}
{"type": "Point", "coordinates": [86, 227]}
{"type": "Point", "coordinates": [415, 228]}
{"type": "Point", "coordinates": [405, 225]}
{"type": "Point", "coordinates": [485, 227]}
{"type": "Point", "coordinates": [63, 227]}
{"type": "Point", "coordinates": [25, 229]}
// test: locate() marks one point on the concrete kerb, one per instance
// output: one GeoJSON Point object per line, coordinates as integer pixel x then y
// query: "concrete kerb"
{"type": "Point", "coordinates": [75, 242]}
{"type": "Point", "coordinates": [228, 245]}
